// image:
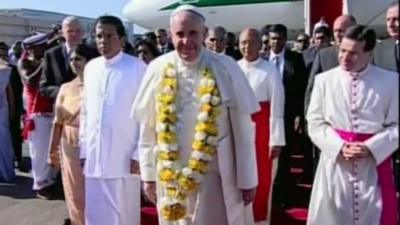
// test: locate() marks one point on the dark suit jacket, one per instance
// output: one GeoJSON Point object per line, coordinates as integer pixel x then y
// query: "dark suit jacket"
{"type": "Point", "coordinates": [384, 55]}
{"type": "Point", "coordinates": [234, 53]}
{"type": "Point", "coordinates": [17, 88]}
{"type": "Point", "coordinates": [168, 48]}
{"type": "Point", "coordinates": [294, 83]}
{"type": "Point", "coordinates": [55, 71]}
{"type": "Point", "coordinates": [308, 57]}
{"type": "Point", "coordinates": [325, 59]}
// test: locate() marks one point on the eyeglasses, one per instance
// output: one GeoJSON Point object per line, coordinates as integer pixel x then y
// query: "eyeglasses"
{"type": "Point", "coordinates": [215, 39]}
{"type": "Point", "coordinates": [302, 40]}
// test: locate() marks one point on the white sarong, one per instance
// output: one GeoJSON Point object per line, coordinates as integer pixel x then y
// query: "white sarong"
{"type": "Point", "coordinates": [112, 201]}
{"type": "Point", "coordinates": [38, 142]}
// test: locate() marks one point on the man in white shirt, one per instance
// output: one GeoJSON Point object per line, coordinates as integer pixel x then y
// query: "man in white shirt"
{"type": "Point", "coordinates": [196, 177]}
{"type": "Point", "coordinates": [108, 135]}
{"type": "Point", "coordinates": [354, 119]}
{"type": "Point", "coordinates": [270, 131]}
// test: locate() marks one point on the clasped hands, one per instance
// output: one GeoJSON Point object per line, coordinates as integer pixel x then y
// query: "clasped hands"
{"type": "Point", "coordinates": [355, 150]}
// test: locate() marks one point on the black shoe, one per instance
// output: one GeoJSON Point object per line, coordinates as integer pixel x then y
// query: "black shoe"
{"type": "Point", "coordinates": [67, 222]}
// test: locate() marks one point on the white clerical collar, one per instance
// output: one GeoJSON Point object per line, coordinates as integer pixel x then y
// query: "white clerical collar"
{"type": "Point", "coordinates": [358, 74]}
{"type": "Point", "coordinates": [252, 63]}
{"type": "Point", "coordinates": [281, 54]}
{"type": "Point", "coordinates": [114, 59]}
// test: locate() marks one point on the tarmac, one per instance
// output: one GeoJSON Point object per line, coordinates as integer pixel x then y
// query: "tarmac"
{"type": "Point", "coordinates": [20, 206]}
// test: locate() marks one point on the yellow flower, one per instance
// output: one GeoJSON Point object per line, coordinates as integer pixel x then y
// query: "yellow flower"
{"type": "Point", "coordinates": [187, 184]}
{"type": "Point", "coordinates": [206, 90]}
{"type": "Point", "coordinates": [167, 98]}
{"type": "Point", "coordinates": [166, 137]}
{"type": "Point", "coordinates": [206, 108]}
{"type": "Point", "coordinates": [170, 82]}
{"type": "Point", "coordinates": [201, 127]}
{"type": "Point", "coordinates": [212, 129]}
{"type": "Point", "coordinates": [166, 117]}
{"type": "Point", "coordinates": [171, 156]}
{"type": "Point", "coordinates": [198, 165]}
{"type": "Point", "coordinates": [198, 145]}
{"type": "Point", "coordinates": [209, 150]}
{"type": "Point", "coordinates": [173, 212]}
{"type": "Point", "coordinates": [167, 175]}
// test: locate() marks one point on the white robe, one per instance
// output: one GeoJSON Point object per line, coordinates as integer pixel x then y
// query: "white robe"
{"type": "Point", "coordinates": [219, 199]}
{"type": "Point", "coordinates": [266, 83]}
{"type": "Point", "coordinates": [367, 103]}
{"type": "Point", "coordinates": [108, 140]}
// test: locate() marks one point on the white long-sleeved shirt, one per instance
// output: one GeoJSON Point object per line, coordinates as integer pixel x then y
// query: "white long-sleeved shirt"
{"type": "Point", "coordinates": [265, 81]}
{"type": "Point", "coordinates": [108, 135]}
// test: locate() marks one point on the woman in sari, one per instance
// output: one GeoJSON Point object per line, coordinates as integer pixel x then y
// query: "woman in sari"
{"type": "Point", "coordinates": [64, 140]}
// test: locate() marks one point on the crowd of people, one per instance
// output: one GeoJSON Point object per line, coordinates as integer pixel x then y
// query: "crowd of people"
{"type": "Point", "coordinates": [204, 126]}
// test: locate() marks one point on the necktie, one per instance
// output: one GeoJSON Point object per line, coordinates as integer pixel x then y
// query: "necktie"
{"type": "Point", "coordinates": [277, 63]}
{"type": "Point", "coordinates": [397, 55]}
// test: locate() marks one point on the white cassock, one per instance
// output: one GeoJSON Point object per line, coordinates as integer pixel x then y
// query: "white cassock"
{"type": "Point", "coordinates": [219, 199]}
{"type": "Point", "coordinates": [109, 138]}
{"type": "Point", "coordinates": [347, 192]}
{"type": "Point", "coordinates": [266, 83]}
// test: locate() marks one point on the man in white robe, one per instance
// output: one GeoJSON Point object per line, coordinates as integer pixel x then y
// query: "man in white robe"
{"type": "Point", "coordinates": [353, 118]}
{"type": "Point", "coordinates": [270, 134]}
{"type": "Point", "coordinates": [228, 187]}
{"type": "Point", "coordinates": [108, 135]}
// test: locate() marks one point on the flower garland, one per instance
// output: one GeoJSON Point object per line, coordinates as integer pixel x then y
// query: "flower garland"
{"type": "Point", "coordinates": [178, 182]}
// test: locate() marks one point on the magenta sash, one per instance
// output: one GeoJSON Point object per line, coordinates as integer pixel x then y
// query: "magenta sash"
{"type": "Point", "coordinates": [385, 179]}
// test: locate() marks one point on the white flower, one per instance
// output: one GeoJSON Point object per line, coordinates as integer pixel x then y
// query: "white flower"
{"type": "Point", "coordinates": [203, 82]}
{"type": "Point", "coordinates": [161, 127]}
{"type": "Point", "coordinates": [187, 172]}
{"type": "Point", "coordinates": [215, 100]}
{"type": "Point", "coordinates": [200, 136]}
{"type": "Point", "coordinates": [172, 128]}
{"type": "Point", "coordinates": [201, 156]}
{"type": "Point", "coordinates": [212, 141]}
{"type": "Point", "coordinates": [172, 108]}
{"type": "Point", "coordinates": [210, 83]}
{"type": "Point", "coordinates": [203, 116]}
{"type": "Point", "coordinates": [164, 147]}
{"type": "Point", "coordinates": [168, 164]}
{"type": "Point", "coordinates": [206, 98]}
{"type": "Point", "coordinates": [171, 72]}
{"type": "Point", "coordinates": [168, 90]}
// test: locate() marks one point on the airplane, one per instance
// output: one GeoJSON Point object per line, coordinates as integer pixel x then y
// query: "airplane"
{"type": "Point", "coordinates": [235, 15]}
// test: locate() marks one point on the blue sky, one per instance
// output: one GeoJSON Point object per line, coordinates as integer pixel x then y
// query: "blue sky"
{"type": "Point", "coordinates": [88, 8]}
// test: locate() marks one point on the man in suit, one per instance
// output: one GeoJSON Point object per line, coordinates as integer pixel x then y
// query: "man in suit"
{"type": "Point", "coordinates": [384, 51]}
{"type": "Point", "coordinates": [292, 71]}
{"type": "Point", "coordinates": [302, 43]}
{"type": "Point", "coordinates": [163, 44]}
{"type": "Point", "coordinates": [322, 39]}
{"type": "Point", "coordinates": [383, 57]}
{"type": "Point", "coordinates": [55, 69]}
{"type": "Point", "coordinates": [231, 47]}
